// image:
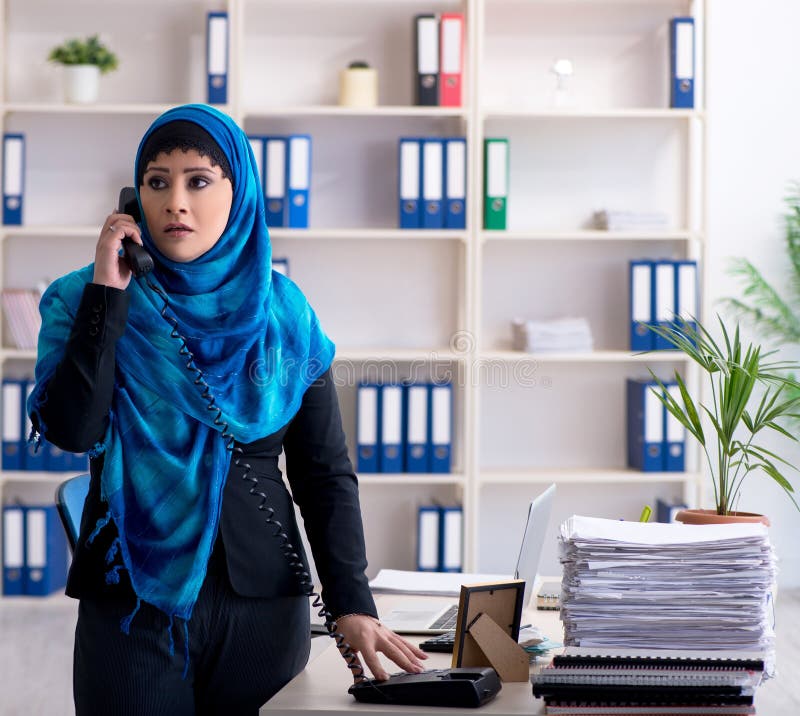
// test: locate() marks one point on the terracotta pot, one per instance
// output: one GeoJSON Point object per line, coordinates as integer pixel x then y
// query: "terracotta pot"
{"type": "Point", "coordinates": [710, 517]}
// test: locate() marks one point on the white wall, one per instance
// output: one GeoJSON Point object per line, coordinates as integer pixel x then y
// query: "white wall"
{"type": "Point", "coordinates": [753, 99]}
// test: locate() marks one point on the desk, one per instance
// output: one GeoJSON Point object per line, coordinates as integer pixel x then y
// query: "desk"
{"type": "Point", "coordinates": [322, 686]}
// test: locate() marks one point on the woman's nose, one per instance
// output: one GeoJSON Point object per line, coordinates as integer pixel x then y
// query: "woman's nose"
{"type": "Point", "coordinates": [176, 201]}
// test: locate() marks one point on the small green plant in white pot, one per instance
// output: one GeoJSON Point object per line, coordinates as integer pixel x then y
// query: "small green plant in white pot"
{"type": "Point", "coordinates": [84, 61]}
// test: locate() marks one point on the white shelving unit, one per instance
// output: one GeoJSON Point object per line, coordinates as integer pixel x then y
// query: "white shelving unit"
{"type": "Point", "coordinates": [616, 144]}
{"type": "Point", "coordinates": [403, 304]}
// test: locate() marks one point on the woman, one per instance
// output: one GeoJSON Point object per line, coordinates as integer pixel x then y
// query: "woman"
{"type": "Point", "coordinates": [174, 552]}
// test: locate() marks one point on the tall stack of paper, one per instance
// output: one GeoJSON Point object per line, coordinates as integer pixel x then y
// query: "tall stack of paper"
{"type": "Point", "coordinates": [667, 586]}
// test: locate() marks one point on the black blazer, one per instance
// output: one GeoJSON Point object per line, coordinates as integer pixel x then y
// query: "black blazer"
{"type": "Point", "coordinates": [75, 416]}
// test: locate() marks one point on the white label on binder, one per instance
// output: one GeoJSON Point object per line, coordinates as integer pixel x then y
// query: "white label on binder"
{"type": "Point", "coordinates": [276, 167]}
{"type": "Point", "coordinates": [665, 292]}
{"type": "Point", "coordinates": [687, 291]}
{"type": "Point", "coordinates": [684, 50]}
{"type": "Point", "coordinates": [12, 406]}
{"type": "Point", "coordinates": [676, 433]}
{"type": "Point", "coordinates": [451, 45]}
{"type": "Point", "coordinates": [440, 412]}
{"type": "Point", "coordinates": [429, 539]}
{"type": "Point", "coordinates": [409, 170]}
{"type": "Point", "coordinates": [428, 46]}
{"type": "Point", "coordinates": [12, 537]}
{"type": "Point", "coordinates": [452, 539]}
{"type": "Point", "coordinates": [367, 415]}
{"type": "Point", "coordinates": [217, 45]}
{"type": "Point", "coordinates": [392, 415]}
{"type": "Point", "coordinates": [653, 417]}
{"type": "Point", "coordinates": [257, 146]}
{"type": "Point", "coordinates": [37, 539]}
{"type": "Point", "coordinates": [456, 170]}
{"type": "Point", "coordinates": [641, 292]}
{"type": "Point", "coordinates": [432, 166]}
{"type": "Point", "coordinates": [497, 162]}
{"type": "Point", "coordinates": [417, 414]}
{"type": "Point", "coordinates": [12, 177]}
{"type": "Point", "coordinates": [298, 159]}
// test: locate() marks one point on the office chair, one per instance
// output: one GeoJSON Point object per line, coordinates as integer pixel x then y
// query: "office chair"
{"type": "Point", "coordinates": [70, 496]}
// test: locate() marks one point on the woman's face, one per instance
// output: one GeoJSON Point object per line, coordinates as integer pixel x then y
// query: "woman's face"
{"type": "Point", "coordinates": [186, 203]}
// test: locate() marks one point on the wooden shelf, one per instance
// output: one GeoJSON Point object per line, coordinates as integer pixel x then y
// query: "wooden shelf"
{"type": "Point", "coordinates": [337, 111]}
{"type": "Point", "coordinates": [411, 479]}
{"type": "Point", "coordinates": [100, 109]}
{"type": "Point", "coordinates": [53, 231]}
{"type": "Point", "coordinates": [39, 476]}
{"type": "Point", "coordinates": [312, 234]}
{"type": "Point", "coordinates": [489, 114]}
{"type": "Point", "coordinates": [590, 235]}
{"type": "Point", "coordinates": [368, 234]}
{"type": "Point", "coordinates": [400, 355]}
{"type": "Point", "coordinates": [57, 600]}
{"type": "Point", "coordinates": [593, 357]}
{"type": "Point", "coordinates": [525, 476]}
{"type": "Point", "coordinates": [17, 354]}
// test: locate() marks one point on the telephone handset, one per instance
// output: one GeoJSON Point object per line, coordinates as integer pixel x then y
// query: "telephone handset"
{"type": "Point", "coordinates": [136, 256]}
{"type": "Point", "coordinates": [438, 688]}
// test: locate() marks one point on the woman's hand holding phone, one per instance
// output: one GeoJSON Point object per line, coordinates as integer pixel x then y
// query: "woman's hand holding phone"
{"type": "Point", "coordinates": [110, 268]}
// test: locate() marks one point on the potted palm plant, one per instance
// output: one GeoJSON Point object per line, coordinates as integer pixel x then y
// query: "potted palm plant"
{"type": "Point", "coordinates": [773, 309]}
{"type": "Point", "coordinates": [84, 61]}
{"type": "Point", "coordinates": [750, 394]}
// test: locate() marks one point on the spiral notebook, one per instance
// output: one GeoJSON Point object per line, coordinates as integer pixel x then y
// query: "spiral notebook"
{"type": "Point", "coordinates": [573, 710]}
{"type": "Point", "coordinates": [649, 659]}
{"type": "Point", "coordinates": [586, 681]}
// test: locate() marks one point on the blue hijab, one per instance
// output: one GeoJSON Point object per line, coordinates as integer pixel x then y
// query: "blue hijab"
{"type": "Point", "coordinates": [259, 345]}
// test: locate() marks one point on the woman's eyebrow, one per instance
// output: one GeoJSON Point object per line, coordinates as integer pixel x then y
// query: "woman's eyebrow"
{"type": "Point", "coordinates": [185, 171]}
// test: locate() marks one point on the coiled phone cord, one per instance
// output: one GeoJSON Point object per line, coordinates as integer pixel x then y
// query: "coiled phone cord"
{"type": "Point", "coordinates": [294, 560]}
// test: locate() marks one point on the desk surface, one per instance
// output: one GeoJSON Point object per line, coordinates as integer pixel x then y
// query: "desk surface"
{"type": "Point", "coordinates": [322, 685]}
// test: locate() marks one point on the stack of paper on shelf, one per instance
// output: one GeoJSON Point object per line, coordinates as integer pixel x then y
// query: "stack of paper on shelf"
{"type": "Point", "coordinates": [667, 586]}
{"type": "Point", "coordinates": [565, 334]}
{"type": "Point", "coordinates": [608, 220]}
{"type": "Point", "coordinates": [21, 310]}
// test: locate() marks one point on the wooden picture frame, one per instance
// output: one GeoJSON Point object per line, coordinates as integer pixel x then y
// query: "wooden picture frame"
{"type": "Point", "coordinates": [502, 602]}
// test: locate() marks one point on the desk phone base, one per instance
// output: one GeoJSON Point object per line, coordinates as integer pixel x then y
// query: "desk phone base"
{"type": "Point", "coordinates": [465, 687]}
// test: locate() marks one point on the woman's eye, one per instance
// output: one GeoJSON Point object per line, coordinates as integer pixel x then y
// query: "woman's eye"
{"type": "Point", "coordinates": [198, 182]}
{"type": "Point", "coordinates": [156, 183]}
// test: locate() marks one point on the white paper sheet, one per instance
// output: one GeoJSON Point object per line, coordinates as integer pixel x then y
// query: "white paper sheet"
{"type": "Point", "coordinates": [395, 581]}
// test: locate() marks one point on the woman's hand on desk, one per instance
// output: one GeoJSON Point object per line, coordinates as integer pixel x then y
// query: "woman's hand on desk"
{"type": "Point", "coordinates": [367, 636]}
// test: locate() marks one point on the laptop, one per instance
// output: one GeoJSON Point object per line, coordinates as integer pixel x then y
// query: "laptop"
{"type": "Point", "coordinates": [421, 619]}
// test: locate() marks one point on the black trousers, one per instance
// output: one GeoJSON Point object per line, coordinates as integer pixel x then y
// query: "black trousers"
{"type": "Point", "coordinates": [241, 652]}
